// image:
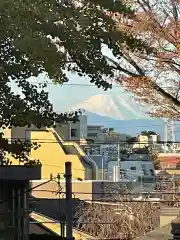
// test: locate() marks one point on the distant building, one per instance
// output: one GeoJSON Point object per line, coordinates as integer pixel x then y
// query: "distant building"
{"type": "Point", "coordinates": [100, 135]}
{"type": "Point", "coordinates": [74, 131]}
{"type": "Point", "coordinates": [168, 160]}
{"type": "Point", "coordinates": [155, 138]}
{"type": "Point", "coordinates": [146, 140]}
{"type": "Point", "coordinates": [93, 132]}
{"type": "Point", "coordinates": [137, 165]}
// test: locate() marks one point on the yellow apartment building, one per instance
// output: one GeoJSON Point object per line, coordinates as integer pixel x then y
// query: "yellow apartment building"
{"type": "Point", "coordinates": [54, 152]}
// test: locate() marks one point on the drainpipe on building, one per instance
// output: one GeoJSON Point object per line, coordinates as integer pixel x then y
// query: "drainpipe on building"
{"type": "Point", "coordinates": [69, 125]}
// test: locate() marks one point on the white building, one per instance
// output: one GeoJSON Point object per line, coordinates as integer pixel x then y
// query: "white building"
{"type": "Point", "coordinates": [146, 140]}
{"type": "Point", "coordinates": [138, 165]}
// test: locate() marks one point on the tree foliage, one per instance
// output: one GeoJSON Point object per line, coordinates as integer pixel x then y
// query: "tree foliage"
{"type": "Point", "coordinates": [153, 76]}
{"type": "Point", "coordinates": [148, 133]}
{"type": "Point", "coordinates": [18, 149]}
{"type": "Point", "coordinates": [178, 165]}
{"type": "Point", "coordinates": [53, 37]}
{"type": "Point", "coordinates": [131, 140]}
{"type": "Point", "coordinates": [156, 161]}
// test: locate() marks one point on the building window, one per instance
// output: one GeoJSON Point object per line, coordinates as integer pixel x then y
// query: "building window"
{"type": "Point", "coordinates": [92, 134]}
{"type": "Point", "coordinates": [73, 132]}
{"type": "Point", "coordinates": [133, 168]}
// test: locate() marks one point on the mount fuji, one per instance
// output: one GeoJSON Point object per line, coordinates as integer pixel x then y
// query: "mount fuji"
{"type": "Point", "coordinates": [114, 107]}
{"type": "Point", "coordinates": [121, 113]}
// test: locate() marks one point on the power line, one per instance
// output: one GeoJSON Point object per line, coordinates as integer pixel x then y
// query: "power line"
{"type": "Point", "coordinates": [121, 194]}
{"type": "Point", "coordinates": [98, 143]}
{"type": "Point", "coordinates": [106, 201]}
{"type": "Point", "coordinates": [80, 84]}
{"type": "Point", "coordinates": [124, 124]}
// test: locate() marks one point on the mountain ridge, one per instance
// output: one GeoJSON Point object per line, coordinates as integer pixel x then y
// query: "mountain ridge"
{"type": "Point", "coordinates": [131, 127]}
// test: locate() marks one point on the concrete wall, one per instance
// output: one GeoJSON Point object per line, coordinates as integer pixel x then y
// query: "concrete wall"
{"type": "Point", "coordinates": [85, 190]}
{"type": "Point", "coordinates": [22, 133]}
{"type": "Point", "coordinates": [80, 128]}
{"type": "Point", "coordinates": [81, 190]}
{"type": "Point", "coordinates": [64, 131]}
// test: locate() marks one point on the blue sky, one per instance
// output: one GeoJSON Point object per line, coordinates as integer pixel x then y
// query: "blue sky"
{"type": "Point", "coordinates": [68, 95]}
{"type": "Point", "coordinates": [65, 96]}
{"type": "Point", "coordinates": [77, 90]}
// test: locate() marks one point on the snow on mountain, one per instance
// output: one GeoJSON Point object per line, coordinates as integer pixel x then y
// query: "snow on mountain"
{"type": "Point", "coordinates": [114, 107]}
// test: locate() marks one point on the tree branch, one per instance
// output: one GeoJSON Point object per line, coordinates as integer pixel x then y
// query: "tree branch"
{"type": "Point", "coordinates": [167, 95]}
{"type": "Point", "coordinates": [134, 64]}
{"type": "Point", "coordinates": [175, 11]}
{"type": "Point", "coordinates": [118, 67]}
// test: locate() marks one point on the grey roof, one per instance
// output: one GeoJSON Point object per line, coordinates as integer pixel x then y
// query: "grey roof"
{"type": "Point", "coordinates": [138, 157]}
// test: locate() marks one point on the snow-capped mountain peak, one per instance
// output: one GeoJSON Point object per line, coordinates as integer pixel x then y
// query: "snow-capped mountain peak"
{"type": "Point", "coordinates": [115, 107]}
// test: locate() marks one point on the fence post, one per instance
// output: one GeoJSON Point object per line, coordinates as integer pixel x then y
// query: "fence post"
{"type": "Point", "coordinates": [69, 203]}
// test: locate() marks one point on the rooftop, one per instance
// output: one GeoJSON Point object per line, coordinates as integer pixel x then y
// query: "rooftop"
{"type": "Point", "coordinates": [95, 126]}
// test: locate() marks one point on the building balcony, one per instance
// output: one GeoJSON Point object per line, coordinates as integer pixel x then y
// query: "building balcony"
{"type": "Point", "coordinates": [20, 172]}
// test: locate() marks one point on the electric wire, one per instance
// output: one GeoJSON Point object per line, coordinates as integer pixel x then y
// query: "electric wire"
{"type": "Point", "coordinates": [76, 84]}
{"type": "Point", "coordinates": [121, 194]}
{"type": "Point", "coordinates": [124, 124]}
{"type": "Point", "coordinates": [41, 140]}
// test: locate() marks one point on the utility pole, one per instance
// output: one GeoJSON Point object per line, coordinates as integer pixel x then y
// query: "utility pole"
{"type": "Point", "coordinates": [102, 159]}
{"type": "Point", "coordinates": [118, 154]}
{"type": "Point", "coordinates": [69, 207]}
